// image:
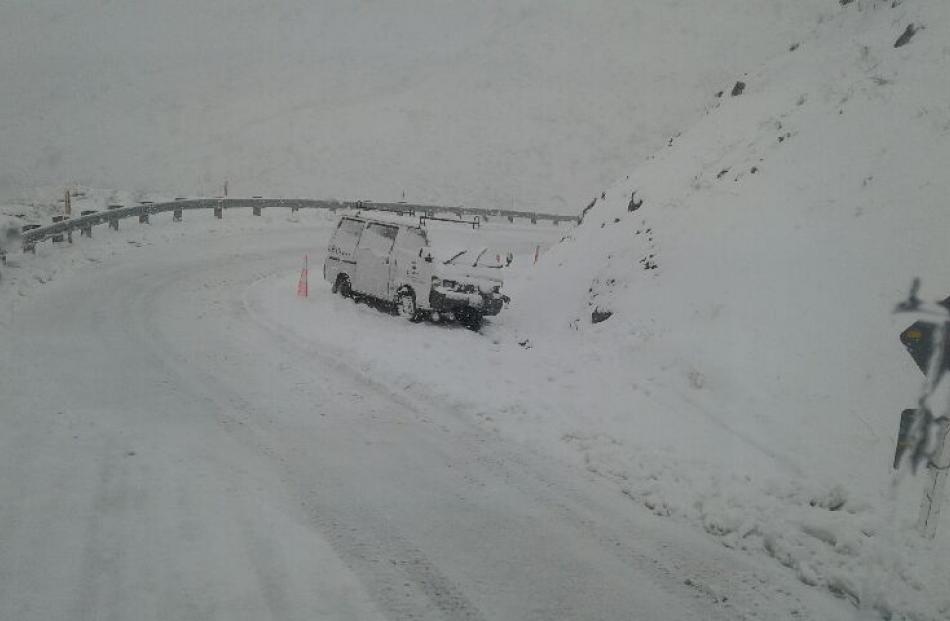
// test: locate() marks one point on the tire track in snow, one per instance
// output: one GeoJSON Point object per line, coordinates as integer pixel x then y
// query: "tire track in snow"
{"type": "Point", "coordinates": [522, 473]}
{"type": "Point", "coordinates": [544, 545]}
{"type": "Point", "coordinates": [401, 578]}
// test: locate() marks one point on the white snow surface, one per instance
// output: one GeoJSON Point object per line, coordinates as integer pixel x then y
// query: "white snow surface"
{"type": "Point", "coordinates": [745, 392]}
{"type": "Point", "coordinates": [755, 378]}
{"type": "Point", "coordinates": [183, 437]}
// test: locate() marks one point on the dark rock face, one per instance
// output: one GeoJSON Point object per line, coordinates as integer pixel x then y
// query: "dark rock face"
{"type": "Point", "coordinates": [600, 315]}
{"type": "Point", "coordinates": [906, 36]}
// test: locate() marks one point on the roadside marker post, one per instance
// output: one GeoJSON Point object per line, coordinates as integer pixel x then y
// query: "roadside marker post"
{"type": "Point", "coordinates": [59, 237]}
{"type": "Point", "coordinates": [113, 222]}
{"type": "Point", "coordinates": [86, 230]}
{"type": "Point", "coordinates": [923, 432]}
{"type": "Point", "coordinates": [303, 288]}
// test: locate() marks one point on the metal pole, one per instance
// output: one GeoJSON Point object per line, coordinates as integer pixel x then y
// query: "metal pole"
{"type": "Point", "coordinates": [936, 484]}
{"type": "Point", "coordinates": [86, 228]}
{"type": "Point", "coordinates": [939, 461]}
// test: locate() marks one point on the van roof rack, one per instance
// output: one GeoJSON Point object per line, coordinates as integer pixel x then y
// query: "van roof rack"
{"type": "Point", "coordinates": [400, 208]}
{"type": "Point", "coordinates": [474, 222]}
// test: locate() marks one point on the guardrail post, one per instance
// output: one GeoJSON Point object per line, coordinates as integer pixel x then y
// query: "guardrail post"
{"type": "Point", "coordinates": [113, 221]}
{"type": "Point", "coordinates": [86, 229]}
{"type": "Point", "coordinates": [58, 238]}
{"type": "Point", "coordinates": [29, 246]}
{"type": "Point", "coordinates": [219, 212]}
{"type": "Point", "coordinates": [256, 210]}
{"type": "Point", "coordinates": [176, 215]}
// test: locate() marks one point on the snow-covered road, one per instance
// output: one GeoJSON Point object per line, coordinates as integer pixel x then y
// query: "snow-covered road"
{"type": "Point", "coordinates": [184, 457]}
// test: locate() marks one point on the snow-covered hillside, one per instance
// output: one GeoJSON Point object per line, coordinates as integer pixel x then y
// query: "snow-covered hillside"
{"type": "Point", "coordinates": [715, 340]}
{"type": "Point", "coordinates": [491, 104]}
{"type": "Point", "coordinates": [751, 356]}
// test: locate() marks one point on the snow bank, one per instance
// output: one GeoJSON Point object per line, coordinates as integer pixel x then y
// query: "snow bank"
{"type": "Point", "coordinates": [725, 352]}
{"type": "Point", "coordinates": [720, 344]}
{"type": "Point", "coordinates": [749, 376]}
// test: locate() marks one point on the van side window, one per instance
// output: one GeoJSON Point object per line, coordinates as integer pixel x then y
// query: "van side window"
{"type": "Point", "coordinates": [411, 240]}
{"type": "Point", "coordinates": [389, 232]}
{"type": "Point", "coordinates": [378, 238]}
{"type": "Point", "coordinates": [415, 237]}
{"type": "Point", "coordinates": [346, 235]}
{"type": "Point", "coordinates": [350, 227]}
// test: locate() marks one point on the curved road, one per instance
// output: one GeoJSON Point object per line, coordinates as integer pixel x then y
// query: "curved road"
{"type": "Point", "coordinates": [183, 458]}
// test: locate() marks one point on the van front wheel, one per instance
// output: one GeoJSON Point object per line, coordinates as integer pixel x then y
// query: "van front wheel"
{"type": "Point", "coordinates": [406, 306]}
{"type": "Point", "coordinates": [342, 286]}
{"type": "Point", "coordinates": [470, 318]}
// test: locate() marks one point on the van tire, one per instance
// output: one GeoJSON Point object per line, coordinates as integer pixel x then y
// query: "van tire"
{"type": "Point", "coordinates": [470, 318]}
{"type": "Point", "coordinates": [342, 286]}
{"type": "Point", "coordinates": [406, 306]}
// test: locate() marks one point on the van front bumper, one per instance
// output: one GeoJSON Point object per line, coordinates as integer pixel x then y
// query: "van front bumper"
{"type": "Point", "coordinates": [444, 300]}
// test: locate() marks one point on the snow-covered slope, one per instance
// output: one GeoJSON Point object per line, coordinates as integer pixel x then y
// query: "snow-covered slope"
{"type": "Point", "coordinates": [492, 104]}
{"type": "Point", "coordinates": [748, 380]}
{"type": "Point", "coordinates": [751, 357]}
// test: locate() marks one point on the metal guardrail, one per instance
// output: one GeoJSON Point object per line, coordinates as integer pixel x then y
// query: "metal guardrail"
{"type": "Point", "coordinates": [30, 236]}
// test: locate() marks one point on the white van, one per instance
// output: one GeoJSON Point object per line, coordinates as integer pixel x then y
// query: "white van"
{"type": "Point", "coordinates": [391, 262]}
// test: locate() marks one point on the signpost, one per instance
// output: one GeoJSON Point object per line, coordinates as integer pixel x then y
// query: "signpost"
{"type": "Point", "coordinates": [922, 435]}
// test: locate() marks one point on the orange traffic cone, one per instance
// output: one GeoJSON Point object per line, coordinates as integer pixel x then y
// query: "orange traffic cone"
{"type": "Point", "coordinates": [302, 287]}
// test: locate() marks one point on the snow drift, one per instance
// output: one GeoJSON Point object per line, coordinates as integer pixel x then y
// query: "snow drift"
{"type": "Point", "coordinates": [716, 337]}
{"type": "Point", "coordinates": [732, 297]}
